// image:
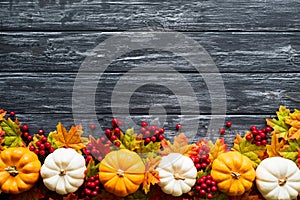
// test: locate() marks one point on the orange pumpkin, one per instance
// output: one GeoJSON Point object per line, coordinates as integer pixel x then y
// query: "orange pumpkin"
{"type": "Point", "coordinates": [121, 172]}
{"type": "Point", "coordinates": [233, 173]}
{"type": "Point", "coordinates": [19, 170]}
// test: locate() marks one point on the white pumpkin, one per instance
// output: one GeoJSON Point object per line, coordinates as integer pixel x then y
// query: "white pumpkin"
{"type": "Point", "coordinates": [63, 171]}
{"type": "Point", "coordinates": [278, 178]}
{"type": "Point", "coordinates": [177, 174]}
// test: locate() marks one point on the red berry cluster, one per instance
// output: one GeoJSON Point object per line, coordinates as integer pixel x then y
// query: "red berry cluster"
{"type": "Point", "coordinates": [259, 136]}
{"type": "Point", "coordinates": [42, 147]}
{"type": "Point", "coordinates": [201, 161]}
{"type": "Point", "coordinates": [91, 188]}
{"type": "Point", "coordinates": [206, 186]}
{"type": "Point", "coordinates": [151, 133]}
{"type": "Point", "coordinates": [114, 133]}
{"type": "Point", "coordinates": [25, 134]}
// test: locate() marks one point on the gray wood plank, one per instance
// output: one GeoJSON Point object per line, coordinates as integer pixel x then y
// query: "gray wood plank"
{"type": "Point", "coordinates": [231, 51]}
{"type": "Point", "coordinates": [176, 15]}
{"type": "Point", "coordinates": [246, 93]}
{"type": "Point", "coordinates": [241, 124]}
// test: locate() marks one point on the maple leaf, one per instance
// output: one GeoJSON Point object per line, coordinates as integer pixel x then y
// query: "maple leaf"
{"type": "Point", "coordinates": [294, 121]}
{"type": "Point", "coordinates": [280, 126]}
{"type": "Point", "coordinates": [2, 114]}
{"type": "Point", "coordinates": [274, 148]}
{"type": "Point", "coordinates": [151, 147]}
{"type": "Point", "coordinates": [130, 141]}
{"type": "Point", "coordinates": [180, 145]}
{"type": "Point", "coordinates": [248, 149]}
{"type": "Point", "coordinates": [97, 148]}
{"type": "Point", "coordinates": [151, 175]}
{"type": "Point", "coordinates": [290, 151]}
{"type": "Point", "coordinates": [12, 136]}
{"type": "Point", "coordinates": [217, 149]}
{"type": "Point", "coordinates": [68, 139]}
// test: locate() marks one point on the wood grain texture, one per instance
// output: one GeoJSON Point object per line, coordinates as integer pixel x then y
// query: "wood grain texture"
{"type": "Point", "coordinates": [246, 93]}
{"type": "Point", "coordinates": [176, 15]}
{"type": "Point", "coordinates": [231, 52]}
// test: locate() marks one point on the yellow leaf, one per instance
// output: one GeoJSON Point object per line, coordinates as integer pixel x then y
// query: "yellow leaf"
{"type": "Point", "coordinates": [151, 175]}
{"type": "Point", "coordinates": [68, 139]}
{"type": "Point", "coordinates": [294, 121]}
{"type": "Point", "coordinates": [217, 149]}
{"type": "Point", "coordinates": [180, 145]}
{"type": "Point", "coordinates": [2, 114]}
{"type": "Point", "coordinates": [274, 148]}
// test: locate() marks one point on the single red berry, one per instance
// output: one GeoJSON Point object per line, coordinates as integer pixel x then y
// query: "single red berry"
{"type": "Point", "coordinates": [249, 137]}
{"type": "Point", "coordinates": [257, 143]}
{"type": "Point", "coordinates": [203, 165]}
{"type": "Point", "coordinates": [268, 129]}
{"type": "Point", "coordinates": [254, 132]}
{"type": "Point", "coordinates": [209, 176]}
{"type": "Point", "coordinates": [228, 124]}
{"type": "Point", "coordinates": [202, 192]}
{"type": "Point", "coordinates": [203, 185]}
{"type": "Point", "coordinates": [31, 148]}
{"type": "Point", "coordinates": [47, 145]}
{"type": "Point", "coordinates": [198, 166]}
{"type": "Point", "coordinates": [87, 191]}
{"type": "Point", "coordinates": [144, 124]}
{"type": "Point", "coordinates": [151, 128]}
{"type": "Point", "coordinates": [42, 146]}
{"type": "Point", "coordinates": [97, 176]}
{"type": "Point", "coordinates": [222, 131]}
{"type": "Point", "coordinates": [143, 130]}
{"type": "Point", "coordinates": [196, 159]}
{"type": "Point", "coordinates": [208, 182]}
{"type": "Point", "coordinates": [51, 150]}
{"type": "Point", "coordinates": [258, 137]}
{"type": "Point", "coordinates": [44, 139]}
{"type": "Point", "coordinates": [38, 143]}
{"type": "Point", "coordinates": [178, 126]}
{"type": "Point", "coordinates": [119, 123]}
{"type": "Point", "coordinates": [107, 132]}
{"type": "Point", "coordinates": [94, 193]}
{"type": "Point", "coordinates": [97, 188]}
{"type": "Point", "coordinates": [153, 138]}
{"type": "Point", "coordinates": [198, 187]}
{"type": "Point", "coordinates": [156, 132]}
{"type": "Point", "coordinates": [118, 143]}
{"type": "Point", "coordinates": [264, 142]}
{"type": "Point", "coordinates": [42, 152]}
{"type": "Point", "coordinates": [102, 139]}
{"type": "Point", "coordinates": [88, 158]}
{"type": "Point", "coordinates": [210, 196]}
{"type": "Point", "coordinates": [113, 137]}
{"type": "Point", "coordinates": [25, 127]}
{"type": "Point", "coordinates": [214, 183]}
{"type": "Point", "coordinates": [147, 133]}
{"type": "Point", "coordinates": [117, 131]}
{"type": "Point", "coordinates": [108, 142]}
{"type": "Point", "coordinates": [147, 140]}
{"type": "Point", "coordinates": [161, 130]}
{"type": "Point", "coordinates": [262, 135]}
{"type": "Point", "coordinates": [208, 161]}
{"type": "Point", "coordinates": [92, 185]}
{"type": "Point", "coordinates": [25, 134]}
{"type": "Point", "coordinates": [29, 138]}
{"type": "Point", "coordinates": [41, 132]}
{"type": "Point", "coordinates": [99, 158]}
{"type": "Point", "coordinates": [214, 188]}
{"type": "Point", "coordinates": [12, 114]}
{"type": "Point", "coordinates": [36, 151]}
{"type": "Point", "coordinates": [92, 126]}
{"type": "Point", "coordinates": [259, 131]}
{"type": "Point", "coordinates": [161, 137]}
{"type": "Point", "coordinates": [252, 128]}
{"type": "Point", "coordinates": [96, 181]}
{"type": "Point", "coordinates": [114, 122]}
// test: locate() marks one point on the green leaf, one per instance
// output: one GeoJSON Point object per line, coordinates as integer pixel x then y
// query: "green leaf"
{"type": "Point", "coordinates": [129, 140]}
{"type": "Point", "coordinates": [12, 136]}
{"type": "Point", "coordinates": [150, 147]}
{"type": "Point", "coordinates": [92, 169]}
{"type": "Point", "coordinates": [291, 151]}
{"type": "Point", "coordinates": [279, 125]}
{"type": "Point", "coordinates": [248, 149]}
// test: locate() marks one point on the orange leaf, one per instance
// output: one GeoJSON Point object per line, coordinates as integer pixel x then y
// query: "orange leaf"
{"type": "Point", "coordinates": [151, 175]}
{"type": "Point", "coordinates": [180, 145]}
{"type": "Point", "coordinates": [2, 114]}
{"type": "Point", "coordinates": [217, 149]}
{"type": "Point", "coordinates": [274, 148]}
{"type": "Point", "coordinates": [68, 139]}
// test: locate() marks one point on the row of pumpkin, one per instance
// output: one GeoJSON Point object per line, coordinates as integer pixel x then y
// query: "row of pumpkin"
{"type": "Point", "coordinates": [122, 171]}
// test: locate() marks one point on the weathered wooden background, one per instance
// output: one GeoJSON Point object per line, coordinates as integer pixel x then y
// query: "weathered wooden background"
{"type": "Point", "coordinates": [254, 43]}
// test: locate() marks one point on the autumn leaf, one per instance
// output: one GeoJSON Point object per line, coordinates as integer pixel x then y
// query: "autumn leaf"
{"type": "Point", "coordinates": [294, 121]}
{"type": "Point", "coordinates": [12, 136]}
{"type": "Point", "coordinates": [151, 175]}
{"type": "Point", "coordinates": [97, 148]}
{"type": "Point", "coordinates": [290, 151]}
{"type": "Point", "coordinates": [180, 145]}
{"type": "Point", "coordinates": [279, 125]}
{"type": "Point", "coordinates": [217, 149]}
{"type": "Point", "coordinates": [91, 169]}
{"type": "Point", "coordinates": [248, 149]}
{"type": "Point", "coordinates": [129, 140]}
{"type": "Point", "coordinates": [2, 114]}
{"type": "Point", "coordinates": [70, 196]}
{"type": "Point", "coordinates": [68, 139]}
{"type": "Point", "coordinates": [274, 148]}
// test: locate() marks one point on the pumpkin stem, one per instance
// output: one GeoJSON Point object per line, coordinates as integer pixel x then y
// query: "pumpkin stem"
{"type": "Point", "coordinates": [62, 172]}
{"type": "Point", "coordinates": [282, 181]}
{"type": "Point", "coordinates": [178, 177]}
{"type": "Point", "coordinates": [120, 173]}
{"type": "Point", "coordinates": [12, 170]}
{"type": "Point", "coordinates": [235, 175]}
